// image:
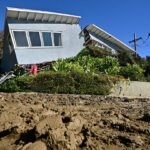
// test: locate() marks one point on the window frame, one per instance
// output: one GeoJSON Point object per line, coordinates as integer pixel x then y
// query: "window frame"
{"type": "Point", "coordinates": [14, 40]}
{"type": "Point", "coordinates": [30, 39]}
{"type": "Point", "coordinates": [41, 39]}
{"type": "Point", "coordinates": [61, 39]}
{"type": "Point", "coordinates": [51, 39]}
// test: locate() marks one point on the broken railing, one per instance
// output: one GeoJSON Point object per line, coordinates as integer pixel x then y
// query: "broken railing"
{"type": "Point", "coordinates": [7, 76]}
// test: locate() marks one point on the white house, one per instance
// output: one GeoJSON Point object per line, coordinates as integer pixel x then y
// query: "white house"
{"type": "Point", "coordinates": [34, 37]}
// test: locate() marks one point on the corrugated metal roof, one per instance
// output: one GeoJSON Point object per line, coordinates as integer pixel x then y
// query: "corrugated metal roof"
{"type": "Point", "coordinates": [37, 15]}
{"type": "Point", "coordinates": [100, 32]}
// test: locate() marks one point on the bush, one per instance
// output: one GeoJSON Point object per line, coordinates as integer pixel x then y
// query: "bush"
{"type": "Point", "coordinates": [146, 67]}
{"type": "Point", "coordinates": [24, 82]}
{"type": "Point", "coordinates": [94, 52]}
{"type": "Point", "coordinates": [10, 86]}
{"type": "Point", "coordinates": [139, 60]}
{"type": "Point", "coordinates": [17, 84]}
{"type": "Point", "coordinates": [134, 72]}
{"type": "Point", "coordinates": [87, 62]}
{"type": "Point", "coordinates": [108, 65]}
{"type": "Point", "coordinates": [65, 66]}
{"type": "Point", "coordinates": [71, 83]}
{"type": "Point", "coordinates": [125, 58]}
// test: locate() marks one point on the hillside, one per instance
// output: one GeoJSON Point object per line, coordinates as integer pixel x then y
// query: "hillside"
{"type": "Point", "coordinates": [73, 122]}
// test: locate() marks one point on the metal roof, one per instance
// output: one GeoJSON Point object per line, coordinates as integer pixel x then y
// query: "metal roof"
{"type": "Point", "coordinates": [100, 32]}
{"type": "Point", "coordinates": [44, 16]}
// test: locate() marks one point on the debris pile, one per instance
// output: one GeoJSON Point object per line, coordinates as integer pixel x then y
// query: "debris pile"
{"type": "Point", "coordinates": [44, 121]}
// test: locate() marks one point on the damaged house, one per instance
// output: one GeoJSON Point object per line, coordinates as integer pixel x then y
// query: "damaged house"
{"type": "Point", "coordinates": [34, 37]}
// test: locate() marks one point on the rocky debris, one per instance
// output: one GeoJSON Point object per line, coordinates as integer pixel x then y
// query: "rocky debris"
{"type": "Point", "coordinates": [146, 117]}
{"type": "Point", "coordinates": [49, 123]}
{"type": "Point", "coordinates": [31, 121]}
{"type": "Point", "coordinates": [35, 146]}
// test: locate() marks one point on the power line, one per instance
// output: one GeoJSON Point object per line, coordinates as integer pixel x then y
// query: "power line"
{"type": "Point", "coordinates": [145, 42]}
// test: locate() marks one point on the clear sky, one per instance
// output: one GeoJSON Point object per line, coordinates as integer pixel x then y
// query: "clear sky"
{"type": "Point", "coordinates": [121, 18]}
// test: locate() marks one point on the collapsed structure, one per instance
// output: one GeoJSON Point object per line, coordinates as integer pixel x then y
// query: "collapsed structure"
{"type": "Point", "coordinates": [34, 37]}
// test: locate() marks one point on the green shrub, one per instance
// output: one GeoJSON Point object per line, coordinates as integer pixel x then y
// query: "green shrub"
{"type": "Point", "coordinates": [133, 72]}
{"type": "Point", "coordinates": [94, 52]}
{"type": "Point", "coordinates": [19, 70]}
{"type": "Point", "coordinates": [91, 84]}
{"type": "Point", "coordinates": [71, 83]}
{"type": "Point", "coordinates": [139, 60]}
{"type": "Point", "coordinates": [125, 58]}
{"type": "Point", "coordinates": [87, 62]}
{"type": "Point", "coordinates": [10, 86]}
{"type": "Point", "coordinates": [146, 67]}
{"type": "Point", "coordinates": [53, 82]}
{"type": "Point", "coordinates": [17, 84]}
{"type": "Point", "coordinates": [108, 65]}
{"type": "Point", "coordinates": [65, 66]}
{"type": "Point", "coordinates": [24, 82]}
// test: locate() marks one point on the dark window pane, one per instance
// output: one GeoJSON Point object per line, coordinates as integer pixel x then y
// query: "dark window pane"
{"type": "Point", "coordinates": [57, 39]}
{"type": "Point", "coordinates": [20, 38]}
{"type": "Point", "coordinates": [47, 39]}
{"type": "Point", "coordinates": [35, 38]}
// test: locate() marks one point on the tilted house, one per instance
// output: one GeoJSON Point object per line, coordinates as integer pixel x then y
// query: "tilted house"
{"type": "Point", "coordinates": [32, 37]}
{"type": "Point", "coordinates": [96, 36]}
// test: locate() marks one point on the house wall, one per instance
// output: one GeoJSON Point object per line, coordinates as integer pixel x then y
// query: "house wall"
{"type": "Point", "coordinates": [72, 42]}
{"type": "Point", "coordinates": [8, 57]}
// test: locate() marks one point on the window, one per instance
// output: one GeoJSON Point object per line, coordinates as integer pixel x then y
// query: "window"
{"type": "Point", "coordinates": [20, 38]}
{"type": "Point", "coordinates": [57, 39]}
{"type": "Point", "coordinates": [47, 39]}
{"type": "Point", "coordinates": [35, 39]}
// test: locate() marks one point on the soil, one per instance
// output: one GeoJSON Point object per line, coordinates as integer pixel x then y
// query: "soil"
{"type": "Point", "coordinates": [36, 121]}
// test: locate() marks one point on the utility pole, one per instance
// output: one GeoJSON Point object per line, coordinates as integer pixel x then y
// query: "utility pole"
{"type": "Point", "coordinates": [135, 41]}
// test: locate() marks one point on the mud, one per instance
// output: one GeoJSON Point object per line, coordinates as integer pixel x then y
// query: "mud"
{"type": "Point", "coordinates": [72, 122]}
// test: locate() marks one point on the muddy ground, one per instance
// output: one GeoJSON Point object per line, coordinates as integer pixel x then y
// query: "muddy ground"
{"type": "Point", "coordinates": [71, 122]}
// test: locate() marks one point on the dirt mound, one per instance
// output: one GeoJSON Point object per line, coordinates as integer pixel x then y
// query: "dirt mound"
{"type": "Point", "coordinates": [68, 122]}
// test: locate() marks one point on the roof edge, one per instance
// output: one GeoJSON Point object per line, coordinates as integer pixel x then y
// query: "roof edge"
{"type": "Point", "coordinates": [40, 11]}
{"type": "Point", "coordinates": [110, 36]}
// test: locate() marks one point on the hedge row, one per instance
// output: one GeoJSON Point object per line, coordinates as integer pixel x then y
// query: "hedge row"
{"type": "Point", "coordinates": [60, 82]}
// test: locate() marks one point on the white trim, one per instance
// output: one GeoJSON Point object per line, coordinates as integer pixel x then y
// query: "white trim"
{"type": "Point", "coordinates": [28, 16]}
{"type": "Point", "coordinates": [10, 11]}
{"type": "Point", "coordinates": [61, 39]}
{"type": "Point", "coordinates": [28, 39]}
{"type": "Point", "coordinates": [14, 40]}
{"type": "Point", "coordinates": [41, 12]}
{"type": "Point", "coordinates": [35, 17]}
{"type": "Point", "coordinates": [18, 16]}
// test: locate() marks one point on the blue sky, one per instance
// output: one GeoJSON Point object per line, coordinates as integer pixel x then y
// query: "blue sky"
{"type": "Point", "coordinates": [121, 18]}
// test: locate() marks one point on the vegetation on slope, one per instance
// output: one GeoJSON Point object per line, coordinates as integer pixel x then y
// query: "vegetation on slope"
{"type": "Point", "coordinates": [92, 71]}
